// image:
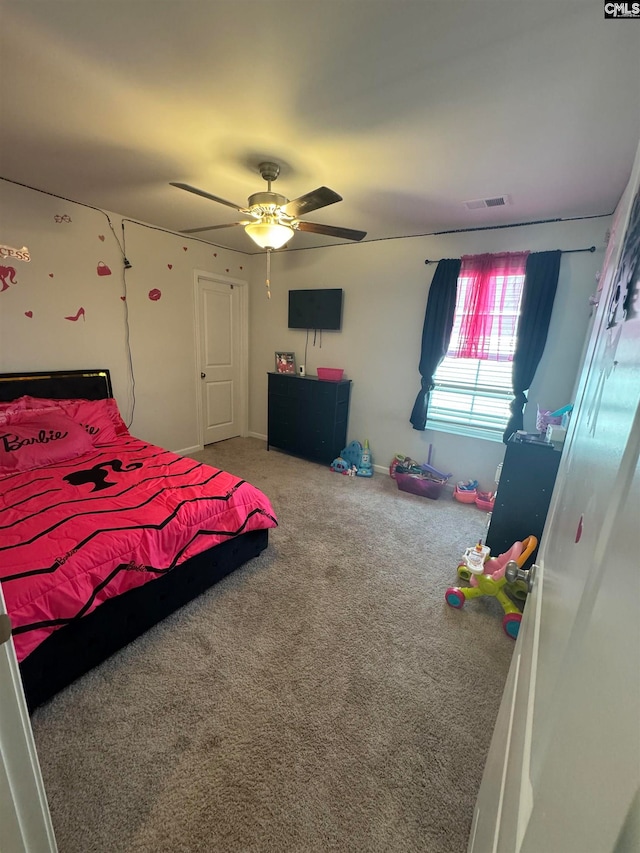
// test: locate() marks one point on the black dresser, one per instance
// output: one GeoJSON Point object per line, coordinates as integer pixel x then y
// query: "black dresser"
{"type": "Point", "coordinates": [524, 492]}
{"type": "Point", "coordinates": [308, 416]}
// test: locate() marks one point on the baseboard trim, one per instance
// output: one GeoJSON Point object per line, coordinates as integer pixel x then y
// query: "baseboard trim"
{"type": "Point", "coordinates": [187, 451]}
{"type": "Point", "coordinates": [380, 469]}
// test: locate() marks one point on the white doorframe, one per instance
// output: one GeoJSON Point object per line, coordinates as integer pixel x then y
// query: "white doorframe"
{"type": "Point", "coordinates": [243, 289]}
{"type": "Point", "coordinates": [25, 820]}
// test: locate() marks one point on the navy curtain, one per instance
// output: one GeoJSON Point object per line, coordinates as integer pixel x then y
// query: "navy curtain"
{"type": "Point", "coordinates": [539, 292]}
{"type": "Point", "coordinates": [436, 332]}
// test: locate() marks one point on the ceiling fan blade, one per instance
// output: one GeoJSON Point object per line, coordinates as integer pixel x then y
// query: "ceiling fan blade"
{"type": "Point", "coordinates": [204, 194]}
{"type": "Point", "coordinates": [211, 227]}
{"type": "Point", "coordinates": [311, 201]}
{"type": "Point", "coordinates": [331, 230]}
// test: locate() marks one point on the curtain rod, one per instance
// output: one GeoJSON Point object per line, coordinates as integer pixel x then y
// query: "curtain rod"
{"type": "Point", "coordinates": [564, 252]}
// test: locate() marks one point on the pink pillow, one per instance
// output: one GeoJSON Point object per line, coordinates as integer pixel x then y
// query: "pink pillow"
{"type": "Point", "coordinates": [100, 418]}
{"type": "Point", "coordinates": [29, 440]}
{"type": "Point", "coordinates": [12, 406]}
{"type": "Point", "coordinates": [97, 417]}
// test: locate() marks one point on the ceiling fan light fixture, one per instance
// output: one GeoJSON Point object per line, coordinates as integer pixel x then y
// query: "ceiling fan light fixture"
{"type": "Point", "coordinates": [269, 235]}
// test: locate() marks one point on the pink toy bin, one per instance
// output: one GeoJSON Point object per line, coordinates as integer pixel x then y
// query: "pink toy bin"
{"type": "Point", "coordinates": [465, 496]}
{"type": "Point", "coordinates": [485, 500]}
{"type": "Point", "coordinates": [417, 485]}
{"type": "Point", "coordinates": [330, 374]}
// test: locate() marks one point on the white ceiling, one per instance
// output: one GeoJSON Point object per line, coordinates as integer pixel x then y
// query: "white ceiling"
{"type": "Point", "coordinates": [407, 108]}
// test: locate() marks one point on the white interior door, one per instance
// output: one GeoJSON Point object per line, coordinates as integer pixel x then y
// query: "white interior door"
{"type": "Point", "coordinates": [222, 358]}
{"type": "Point", "coordinates": [563, 771]}
{"type": "Point", "coordinates": [25, 823]}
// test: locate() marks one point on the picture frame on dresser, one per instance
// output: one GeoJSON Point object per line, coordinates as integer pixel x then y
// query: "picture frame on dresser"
{"type": "Point", "coordinates": [285, 362]}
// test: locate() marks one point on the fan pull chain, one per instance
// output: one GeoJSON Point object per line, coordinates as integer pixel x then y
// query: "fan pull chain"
{"type": "Point", "coordinates": [268, 281]}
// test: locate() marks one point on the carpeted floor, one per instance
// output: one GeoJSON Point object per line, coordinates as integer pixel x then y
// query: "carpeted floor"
{"type": "Point", "coordinates": [322, 698]}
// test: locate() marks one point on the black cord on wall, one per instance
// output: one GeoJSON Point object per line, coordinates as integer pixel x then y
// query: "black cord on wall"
{"type": "Point", "coordinates": [127, 335]}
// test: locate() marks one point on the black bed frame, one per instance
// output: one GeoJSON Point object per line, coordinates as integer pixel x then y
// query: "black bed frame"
{"type": "Point", "coordinates": [78, 647]}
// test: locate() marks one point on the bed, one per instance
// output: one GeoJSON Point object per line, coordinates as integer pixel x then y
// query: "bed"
{"type": "Point", "coordinates": [102, 535]}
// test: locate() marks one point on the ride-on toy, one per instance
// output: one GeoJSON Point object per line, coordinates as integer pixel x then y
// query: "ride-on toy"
{"type": "Point", "coordinates": [487, 577]}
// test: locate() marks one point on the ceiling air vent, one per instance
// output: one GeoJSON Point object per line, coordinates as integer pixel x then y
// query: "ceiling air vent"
{"type": "Point", "coordinates": [480, 203]}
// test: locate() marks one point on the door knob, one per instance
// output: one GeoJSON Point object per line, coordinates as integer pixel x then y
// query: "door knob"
{"type": "Point", "coordinates": [203, 375]}
{"type": "Point", "coordinates": [514, 573]}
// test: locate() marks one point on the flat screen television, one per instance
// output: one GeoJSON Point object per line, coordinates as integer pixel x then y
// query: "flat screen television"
{"type": "Point", "coordinates": [315, 309]}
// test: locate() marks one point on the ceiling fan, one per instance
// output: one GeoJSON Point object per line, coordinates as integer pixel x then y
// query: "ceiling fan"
{"type": "Point", "coordinates": [273, 217]}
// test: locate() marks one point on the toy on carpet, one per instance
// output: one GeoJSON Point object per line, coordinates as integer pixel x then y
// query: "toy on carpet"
{"type": "Point", "coordinates": [354, 460]}
{"type": "Point", "coordinates": [487, 576]}
{"type": "Point", "coordinates": [406, 465]}
{"type": "Point", "coordinates": [467, 485]}
{"type": "Point", "coordinates": [473, 561]}
{"type": "Point", "coordinates": [365, 468]}
{"type": "Point", "coordinates": [403, 465]}
{"type": "Point", "coordinates": [418, 478]}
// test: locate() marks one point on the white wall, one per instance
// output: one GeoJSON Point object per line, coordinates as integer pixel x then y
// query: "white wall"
{"type": "Point", "coordinates": [62, 277]}
{"type": "Point", "coordinates": [385, 283]}
{"type": "Point", "coordinates": [162, 331]}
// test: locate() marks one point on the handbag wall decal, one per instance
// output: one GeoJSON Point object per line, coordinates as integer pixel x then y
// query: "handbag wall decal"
{"type": "Point", "coordinates": [103, 269]}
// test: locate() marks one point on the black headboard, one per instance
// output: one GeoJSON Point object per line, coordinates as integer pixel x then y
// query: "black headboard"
{"type": "Point", "coordinates": [57, 385]}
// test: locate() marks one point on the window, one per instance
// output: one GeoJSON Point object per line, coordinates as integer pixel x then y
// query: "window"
{"type": "Point", "coordinates": [473, 383]}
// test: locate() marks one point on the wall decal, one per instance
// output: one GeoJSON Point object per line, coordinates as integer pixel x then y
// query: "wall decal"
{"type": "Point", "coordinates": [124, 298]}
{"type": "Point", "coordinates": [240, 267]}
{"type": "Point", "coordinates": [226, 270]}
{"type": "Point", "coordinates": [28, 314]}
{"type": "Point", "coordinates": [170, 266]}
{"type": "Point", "coordinates": [154, 294]}
{"type": "Point", "coordinates": [50, 275]}
{"type": "Point", "coordinates": [185, 248]}
{"type": "Point", "coordinates": [7, 273]}
{"type": "Point", "coordinates": [101, 237]}
{"type": "Point", "coordinates": [22, 254]}
{"type": "Point", "coordinates": [77, 316]}
{"type": "Point", "coordinates": [62, 217]}
{"type": "Point", "coordinates": [103, 269]}
{"type": "Point", "coordinates": [215, 254]}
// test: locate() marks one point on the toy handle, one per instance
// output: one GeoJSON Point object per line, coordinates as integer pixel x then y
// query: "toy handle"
{"type": "Point", "coordinates": [431, 470]}
{"type": "Point", "coordinates": [529, 545]}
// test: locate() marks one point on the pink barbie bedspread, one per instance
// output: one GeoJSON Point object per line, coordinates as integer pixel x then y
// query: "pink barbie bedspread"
{"type": "Point", "coordinates": [76, 532]}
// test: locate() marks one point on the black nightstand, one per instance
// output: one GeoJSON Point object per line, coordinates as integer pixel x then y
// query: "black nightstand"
{"type": "Point", "coordinates": [524, 492]}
